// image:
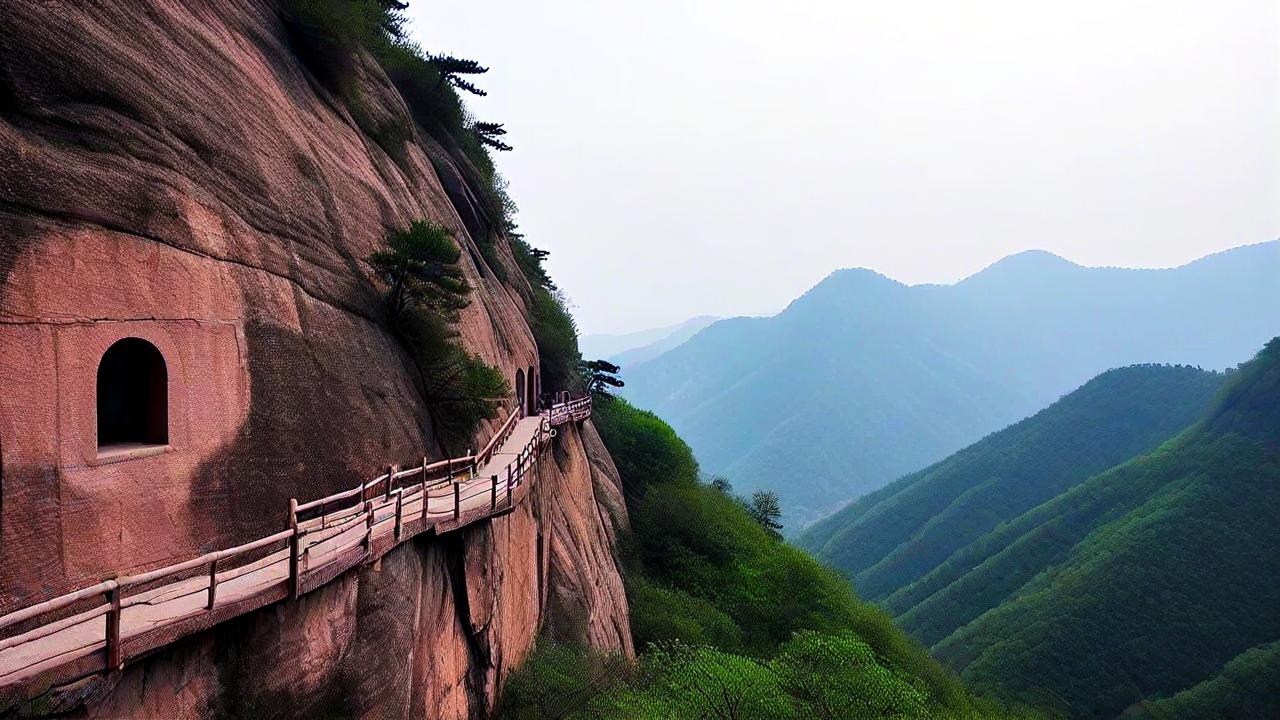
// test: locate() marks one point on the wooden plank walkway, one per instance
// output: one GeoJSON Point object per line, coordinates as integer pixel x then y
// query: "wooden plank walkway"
{"type": "Point", "coordinates": [98, 628]}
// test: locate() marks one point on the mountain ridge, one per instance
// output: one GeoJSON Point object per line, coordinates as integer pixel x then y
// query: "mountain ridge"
{"type": "Point", "coordinates": [1148, 588]}
{"type": "Point", "coordinates": [884, 378]}
{"type": "Point", "coordinates": [892, 537]}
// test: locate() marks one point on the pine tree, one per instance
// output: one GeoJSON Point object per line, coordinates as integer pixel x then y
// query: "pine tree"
{"type": "Point", "coordinates": [599, 376]}
{"type": "Point", "coordinates": [450, 68]}
{"type": "Point", "coordinates": [488, 133]}
{"type": "Point", "coordinates": [765, 509]}
{"type": "Point", "coordinates": [422, 271]}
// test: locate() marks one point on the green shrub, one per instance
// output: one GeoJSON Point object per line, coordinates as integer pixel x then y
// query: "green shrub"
{"type": "Point", "coordinates": [840, 676]}
{"type": "Point", "coordinates": [698, 557]}
{"type": "Point", "coordinates": [561, 681]}
{"type": "Point", "coordinates": [813, 675]}
{"type": "Point", "coordinates": [661, 615]}
{"type": "Point", "coordinates": [645, 449]}
{"type": "Point", "coordinates": [681, 681]}
{"type": "Point", "coordinates": [425, 291]}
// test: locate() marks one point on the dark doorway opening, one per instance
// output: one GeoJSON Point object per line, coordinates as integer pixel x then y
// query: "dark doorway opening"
{"type": "Point", "coordinates": [133, 396]}
{"type": "Point", "coordinates": [520, 390]}
{"type": "Point", "coordinates": [531, 396]}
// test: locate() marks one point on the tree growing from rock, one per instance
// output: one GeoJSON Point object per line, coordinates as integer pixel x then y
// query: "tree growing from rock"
{"type": "Point", "coordinates": [488, 133]}
{"type": "Point", "coordinates": [426, 291]}
{"type": "Point", "coordinates": [421, 267]}
{"type": "Point", "coordinates": [451, 68]}
{"type": "Point", "coordinates": [599, 376]}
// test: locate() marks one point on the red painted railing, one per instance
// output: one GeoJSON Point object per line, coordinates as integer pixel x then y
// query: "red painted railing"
{"type": "Point", "coordinates": [83, 632]}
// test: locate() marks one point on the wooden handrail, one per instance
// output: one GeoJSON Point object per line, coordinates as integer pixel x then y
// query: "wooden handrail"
{"type": "Point", "coordinates": [53, 627]}
{"type": "Point", "coordinates": [56, 604]}
{"type": "Point", "coordinates": [144, 578]}
{"type": "Point", "coordinates": [503, 432]}
{"type": "Point", "coordinates": [330, 498]}
{"type": "Point", "coordinates": [113, 590]}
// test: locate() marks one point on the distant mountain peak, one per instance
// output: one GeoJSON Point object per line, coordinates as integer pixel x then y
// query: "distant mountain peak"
{"type": "Point", "coordinates": [847, 285]}
{"type": "Point", "coordinates": [858, 274]}
{"type": "Point", "coordinates": [1023, 264]}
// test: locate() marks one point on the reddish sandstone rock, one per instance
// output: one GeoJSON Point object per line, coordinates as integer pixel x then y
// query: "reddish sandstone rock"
{"type": "Point", "coordinates": [172, 172]}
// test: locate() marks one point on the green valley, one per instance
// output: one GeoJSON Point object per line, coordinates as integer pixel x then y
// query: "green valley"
{"type": "Point", "coordinates": [1039, 574]}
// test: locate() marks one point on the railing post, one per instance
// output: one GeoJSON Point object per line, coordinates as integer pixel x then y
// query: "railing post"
{"type": "Point", "coordinates": [457, 501]}
{"type": "Point", "coordinates": [391, 476]}
{"type": "Point", "coordinates": [114, 661]}
{"type": "Point", "coordinates": [295, 543]}
{"type": "Point", "coordinates": [493, 496]}
{"type": "Point", "coordinates": [368, 527]}
{"type": "Point", "coordinates": [449, 468]}
{"type": "Point", "coordinates": [399, 515]}
{"type": "Point", "coordinates": [213, 583]}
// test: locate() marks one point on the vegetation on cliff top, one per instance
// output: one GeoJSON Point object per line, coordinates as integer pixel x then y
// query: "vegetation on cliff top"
{"type": "Point", "coordinates": [733, 622]}
{"type": "Point", "coordinates": [329, 35]}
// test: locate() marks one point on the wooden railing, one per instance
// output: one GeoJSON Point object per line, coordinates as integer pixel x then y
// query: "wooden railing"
{"type": "Point", "coordinates": [99, 627]}
{"type": "Point", "coordinates": [570, 409]}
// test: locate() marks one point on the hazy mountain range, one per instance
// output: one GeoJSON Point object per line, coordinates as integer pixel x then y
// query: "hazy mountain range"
{"type": "Point", "coordinates": [628, 349]}
{"type": "Point", "coordinates": [863, 379]}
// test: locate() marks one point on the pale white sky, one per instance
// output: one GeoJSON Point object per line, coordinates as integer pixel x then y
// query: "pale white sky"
{"type": "Point", "coordinates": [719, 157]}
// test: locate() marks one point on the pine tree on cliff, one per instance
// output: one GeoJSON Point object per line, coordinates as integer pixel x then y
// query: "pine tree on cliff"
{"type": "Point", "coordinates": [421, 267]}
{"type": "Point", "coordinates": [450, 68]}
{"type": "Point", "coordinates": [488, 133]}
{"type": "Point", "coordinates": [426, 291]}
{"type": "Point", "coordinates": [599, 376]}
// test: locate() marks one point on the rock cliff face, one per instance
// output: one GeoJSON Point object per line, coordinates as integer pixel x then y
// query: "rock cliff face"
{"type": "Point", "coordinates": [172, 172]}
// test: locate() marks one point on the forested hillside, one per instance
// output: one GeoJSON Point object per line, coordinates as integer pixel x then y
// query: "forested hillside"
{"type": "Point", "coordinates": [1157, 578]}
{"type": "Point", "coordinates": [890, 538]}
{"type": "Point", "coordinates": [1247, 687]}
{"type": "Point", "coordinates": [732, 622]}
{"type": "Point", "coordinates": [864, 379]}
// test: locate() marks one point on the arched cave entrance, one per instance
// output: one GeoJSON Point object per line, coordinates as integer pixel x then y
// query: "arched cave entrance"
{"type": "Point", "coordinates": [520, 391]}
{"type": "Point", "coordinates": [531, 401]}
{"type": "Point", "coordinates": [133, 396]}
